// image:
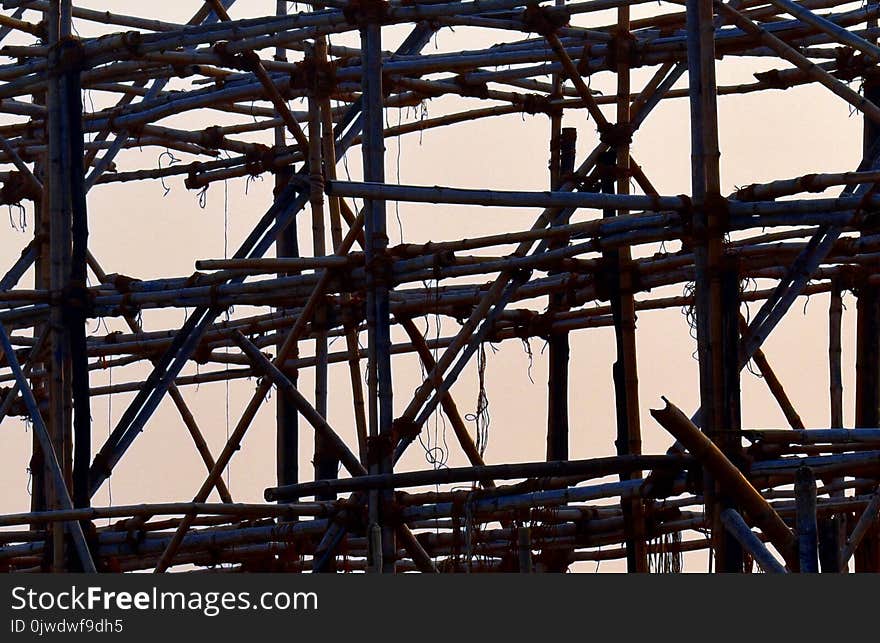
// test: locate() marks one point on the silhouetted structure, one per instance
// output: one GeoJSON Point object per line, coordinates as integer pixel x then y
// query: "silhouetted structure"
{"type": "Point", "coordinates": [539, 516]}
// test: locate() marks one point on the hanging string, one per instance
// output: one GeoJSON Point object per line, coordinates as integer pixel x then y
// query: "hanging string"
{"type": "Point", "coordinates": [665, 556]}
{"type": "Point", "coordinates": [435, 445]}
{"type": "Point", "coordinates": [527, 347]}
{"type": "Point", "coordinates": [22, 217]}
{"type": "Point", "coordinates": [171, 161]}
{"type": "Point", "coordinates": [423, 115]}
{"type": "Point", "coordinates": [480, 417]}
{"type": "Point", "coordinates": [690, 313]}
{"type": "Point", "coordinates": [203, 197]}
{"type": "Point", "coordinates": [250, 179]}
{"type": "Point", "coordinates": [348, 176]}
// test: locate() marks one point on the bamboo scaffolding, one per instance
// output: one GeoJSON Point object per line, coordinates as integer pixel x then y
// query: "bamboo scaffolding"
{"type": "Point", "coordinates": [597, 254]}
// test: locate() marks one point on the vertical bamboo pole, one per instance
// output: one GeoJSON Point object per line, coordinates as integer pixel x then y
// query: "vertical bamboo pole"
{"type": "Point", "coordinates": [835, 369]}
{"type": "Point", "coordinates": [77, 296]}
{"type": "Point", "coordinates": [707, 240]}
{"type": "Point", "coordinates": [562, 163]}
{"type": "Point", "coordinates": [524, 549]}
{"type": "Point", "coordinates": [59, 212]}
{"type": "Point", "coordinates": [867, 556]}
{"type": "Point", "coordinates": [378, 279]}
{"type": "Point", "coordinates": [287, 245]}
{"type": "Point", "coordinates": [729, 550]}
{"type": "Point", "coordinates": [556, 128]}
{"type": "Point", "coordinates": [805, 507]}
{"type": "Point", "coordinates": [326, 462]}
{"type": "Point", "coordinates": [832, 529]}
{"type": "Point", "coordinates": [626, 379]}
{"type": "Point", "coordinates": [76, 300]}
{"type": "Point", "coordinates": [349, 324]}
{"type": "Point", "coordinates": [39, 488]}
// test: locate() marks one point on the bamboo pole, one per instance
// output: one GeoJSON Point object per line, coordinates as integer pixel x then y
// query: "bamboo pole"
{"type": "Point", "coordinates": [835, 370]}
{"type": "Point", "coordinates": [310, 413]}
{"type": "Point", "coordinates": [286, 250]}
{"type": "Point", "coordinates": [381, 412]}
{"type": "Point", "coordinates": [730, 479]}
{"type": "Point", "coordinates": [59, 202]}
{"type": "Point", "coordinates": [565, 267]}
{"type": "Point", "coordinates": [866, 521]}
{"type": "Point", "coordinates": [805, 503]}
{"type": "Point", "coordinates": [185, 413]}
{"type": "Point", "coordinates": [325, 463]}
{"type": "Point", "coordinates": [773, 383]}
{"type": "Point", "coordinates": [738, 528]}
{"type": "Point", "coordinates": [49, 456]}
{"type": "Point", "coordinates": [563, 142]}
{"type": "Point", "coordinates": [597, 467]}
{"type": "Point", "coordinates": [864, 105]}
{"type": "Point", "coordinates": [232, 444]}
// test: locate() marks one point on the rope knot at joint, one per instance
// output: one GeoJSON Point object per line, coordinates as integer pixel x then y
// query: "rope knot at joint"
{"type": "Point", "coordinates": [441, 260]}
{"type": "Point", "coordinates": [545, 20]}
{"type": "Point", "coordinates": [68, 56]}
{"type": "Point", "coordinates": [202, 354]}
{"type": "Point", "coordinates": [360, 12]}
{"type": "Point", "coordinates": [717, 213]}
{"type": "Point", "coordinates": [131, 41]}
{"type": "Point", "coordinates": [317, 76]}
{"type": "Point", "coordinates": [77, 298]}
{"type": "Point", "coordinates": [608, 279]}
{"type": "Point", "coordinates": [525, 327]}
{"type": "Point", "coordinates": [379, 447]}
{"type": "Point", "coordinates": [540, 325]}
{"type": "Point", "coordinates": [622, 48]}
{"type": "Point", "coordinates": [256, 157]}
{"type": "Point", "coordinates": [193, 181]}
{"type": "Point", "coordinates": [403, 428]}
{"type": "Point", "coordinates": [686, 214]}
{"type": "Point", "coordinates": [16, 189]}
{"type": "Point", "coordinates": [583, 65]}
{"type": "Point", "coordinates": [616, 134]}
{"type": "Point", "coordinates": [772, 79]}
{"type": "Point", "coordinates": [212, 137]}
{"type": "Point", "coordinates": [470, 88]}
{"type": "Point", "coordinates": [535, 104]}
{"type": "Point", "coordinates": [381, 266]}
{"type": "Point", "coordinates": [214, 297]}
{"type": "Point", "coordinates": [245, 61]}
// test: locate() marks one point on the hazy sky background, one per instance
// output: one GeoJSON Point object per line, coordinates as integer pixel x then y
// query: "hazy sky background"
{"type": "Point", "coordinates": [139, 231]}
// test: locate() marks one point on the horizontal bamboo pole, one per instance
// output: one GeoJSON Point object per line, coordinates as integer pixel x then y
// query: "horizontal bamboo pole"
{"type": "Point", "coordinates": [593, 468]}
{"type": "Point", "coordinates": [316, 509]}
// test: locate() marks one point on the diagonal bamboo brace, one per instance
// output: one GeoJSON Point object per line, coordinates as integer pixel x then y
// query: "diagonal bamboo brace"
{"type": "Point", "coordinates": [868, 517]}
{"type": "Point", "coordinates": [348, 459]}
{"type": "Point", "coordinates": [731, 480]}
{"type": "Point", "coordinates": [738, 528]}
